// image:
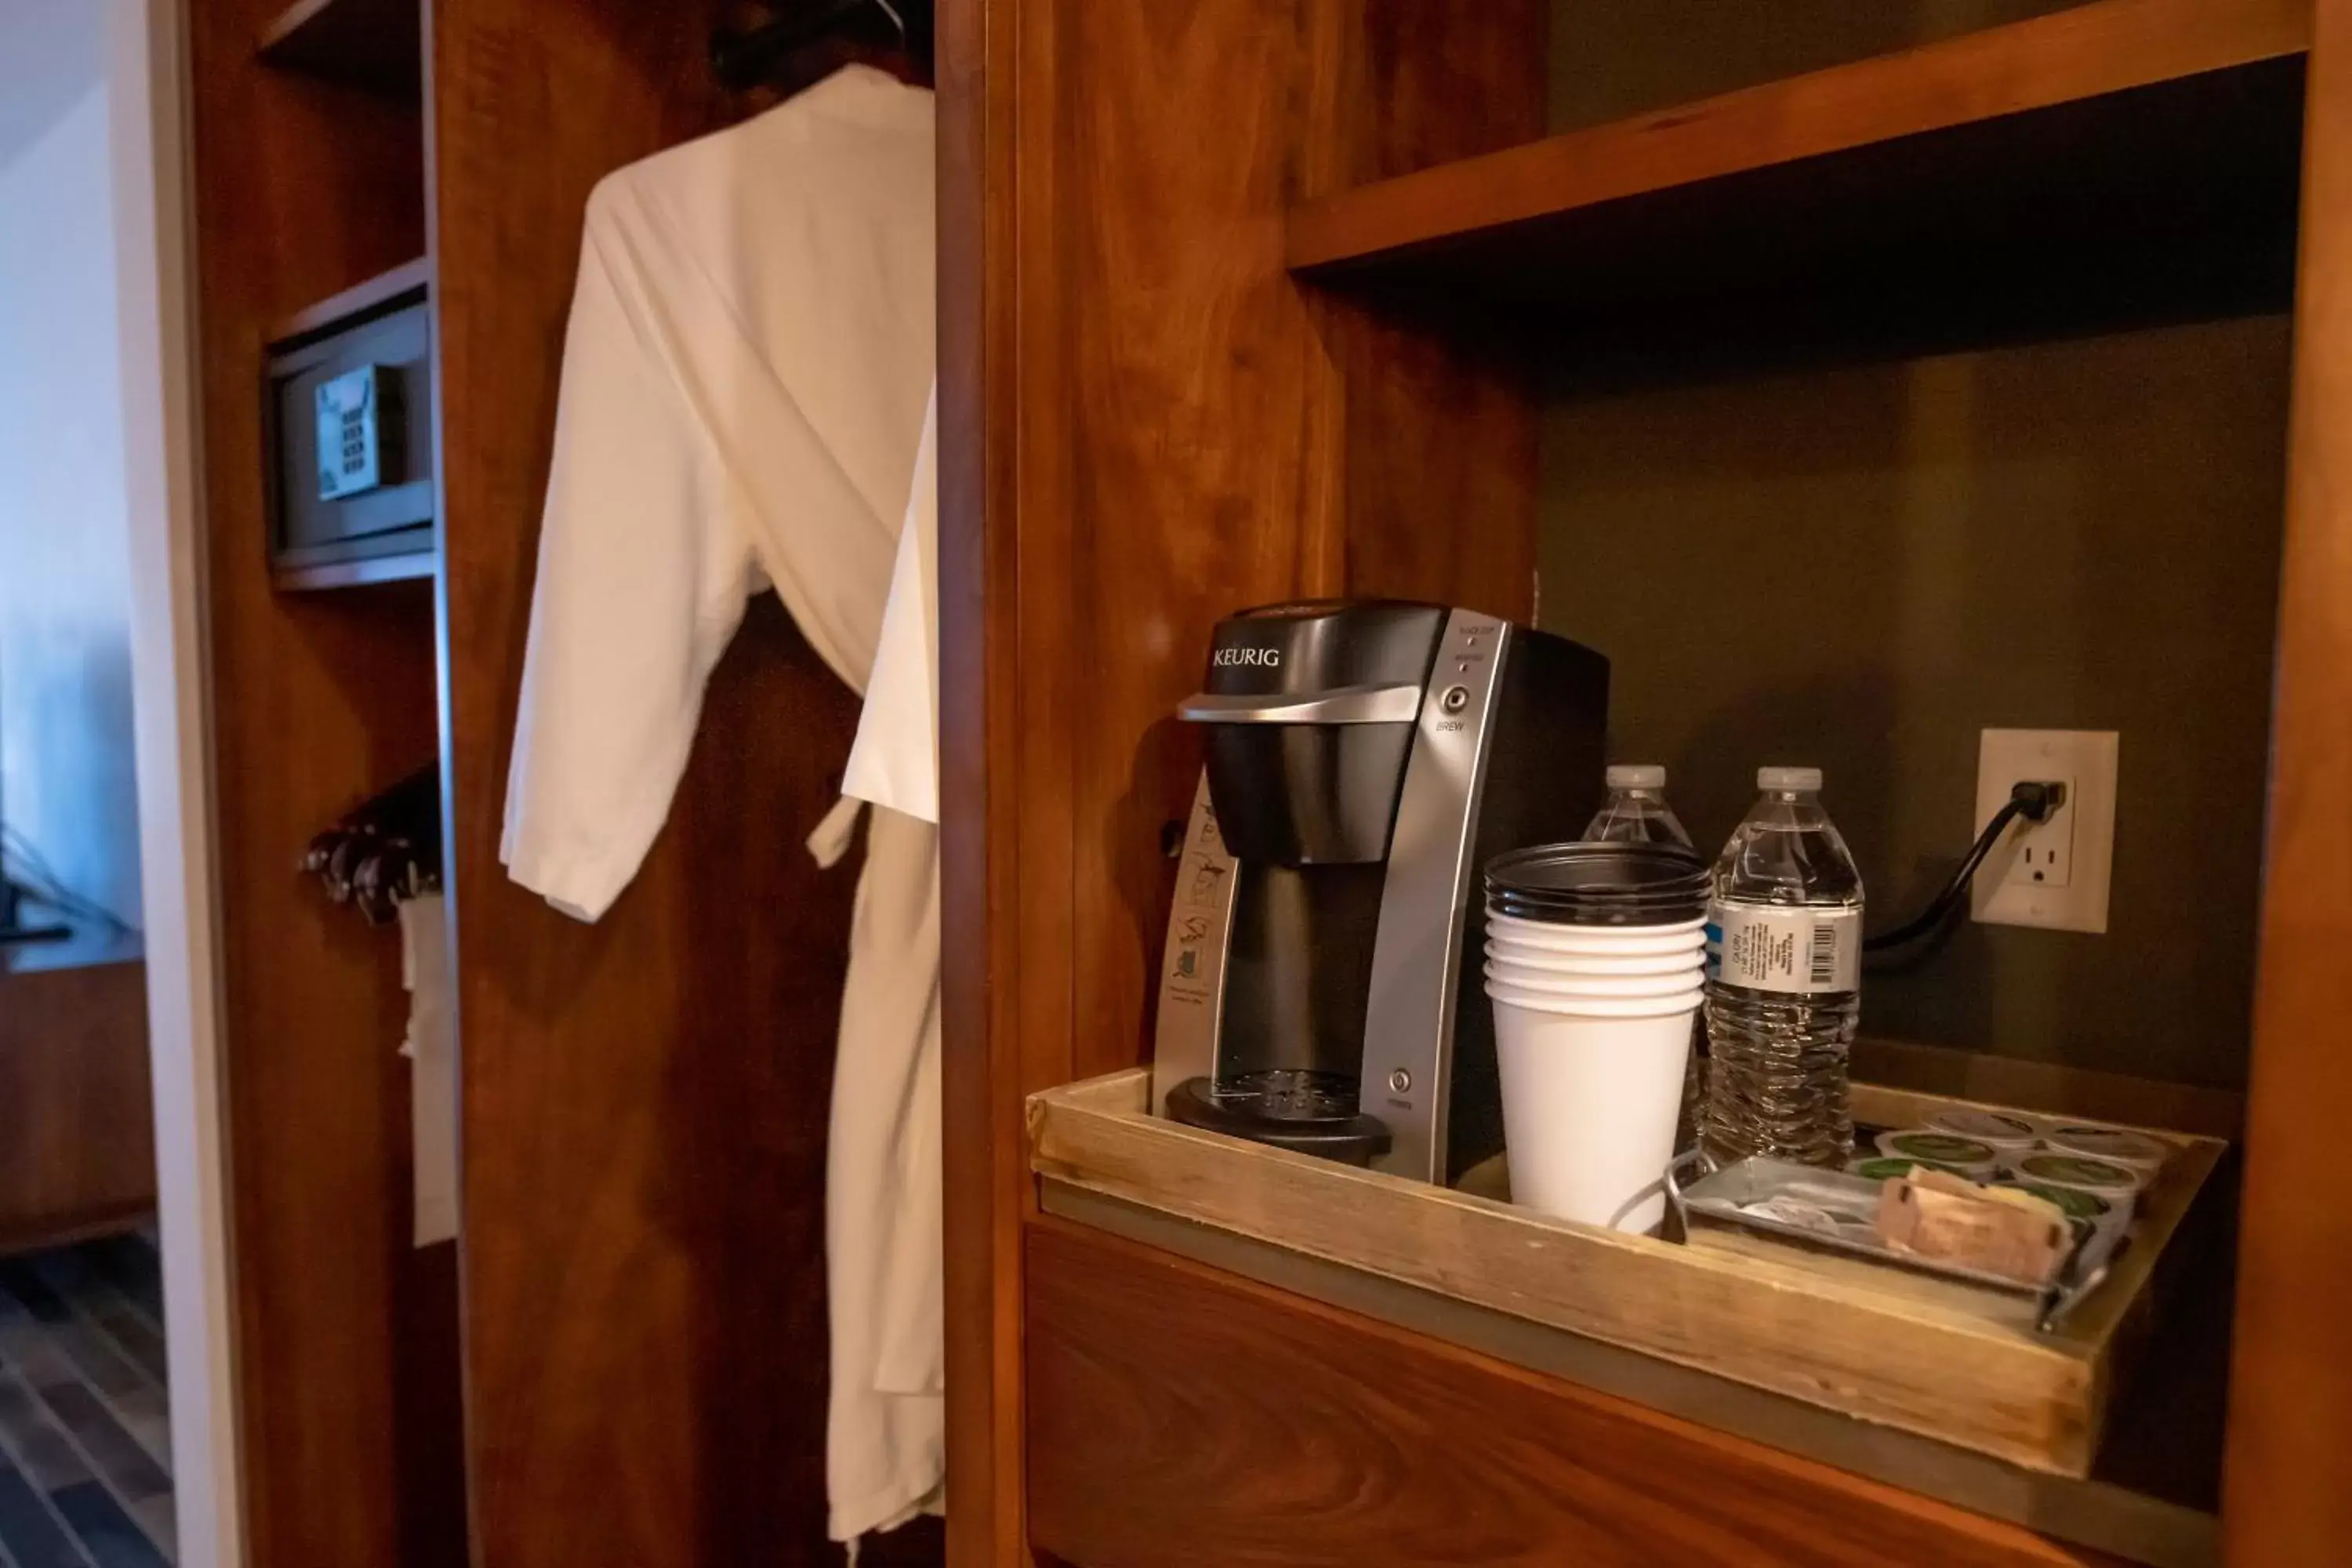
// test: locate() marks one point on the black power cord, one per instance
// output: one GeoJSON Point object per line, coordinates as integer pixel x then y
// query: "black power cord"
{"type": "Point", "coordinates": [2034, 801]}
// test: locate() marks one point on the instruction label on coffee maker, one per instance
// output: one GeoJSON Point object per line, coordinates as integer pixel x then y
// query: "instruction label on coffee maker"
{"type": "Point", "coordinates": [1795, 950]}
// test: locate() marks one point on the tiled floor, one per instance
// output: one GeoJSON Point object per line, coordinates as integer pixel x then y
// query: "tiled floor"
{"type": "Point", "coordinates": [85, 1444]}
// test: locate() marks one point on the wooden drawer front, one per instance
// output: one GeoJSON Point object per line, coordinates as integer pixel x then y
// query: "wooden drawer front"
{"type": "Point", "coordinates": [79, 1155]}
{"type": "Point", "coordinates": [1179, 1415]}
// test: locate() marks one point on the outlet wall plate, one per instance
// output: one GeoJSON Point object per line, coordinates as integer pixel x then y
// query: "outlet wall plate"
{"type": "Point", "coordinates": [2052, 874]}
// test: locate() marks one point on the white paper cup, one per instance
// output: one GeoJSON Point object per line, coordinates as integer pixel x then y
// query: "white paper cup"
{"type": "Point", "coordinates": [1574, 944]}
{"type": "Point", "coordinates": [1595, 1006]}
{"type": "Point", "coordinates": [1589, 1099]}
{"type": "Point", "coordinates": [1502, 949]}
{"type": "Point", "coordinates": [1528, 977]}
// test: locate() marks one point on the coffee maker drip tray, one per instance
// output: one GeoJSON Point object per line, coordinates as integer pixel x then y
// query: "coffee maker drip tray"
{"type": "Point", "coordinates": [1288, 1094]}
{"type": "Point", "coordinates": [1286, 1107]}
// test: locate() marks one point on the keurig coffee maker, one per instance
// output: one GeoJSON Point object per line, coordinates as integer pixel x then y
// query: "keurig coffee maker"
{"type": "Point", "coordinates": [1320, 988]}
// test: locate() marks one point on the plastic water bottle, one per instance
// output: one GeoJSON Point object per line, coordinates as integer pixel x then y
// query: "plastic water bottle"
{"type": "Point", "coordinates": [1784, 981]}
{"type": "Point", "coordinates": [1636, 811]}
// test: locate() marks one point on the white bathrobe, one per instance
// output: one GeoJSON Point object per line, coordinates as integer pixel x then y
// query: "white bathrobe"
{"type": "Point", "coordinates": [744, 377]}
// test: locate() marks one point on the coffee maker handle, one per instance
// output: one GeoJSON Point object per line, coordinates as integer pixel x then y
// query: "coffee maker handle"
{"type": "Point", "coordinates": [1340, 705]}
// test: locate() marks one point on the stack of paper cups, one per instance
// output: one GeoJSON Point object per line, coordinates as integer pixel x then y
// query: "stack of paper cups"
{"type": "Point", "coordinates": [1594, 961]}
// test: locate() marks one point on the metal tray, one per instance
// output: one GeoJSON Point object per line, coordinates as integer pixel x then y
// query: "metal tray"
{"type": "Point", "coordinates": [1707, 1199]}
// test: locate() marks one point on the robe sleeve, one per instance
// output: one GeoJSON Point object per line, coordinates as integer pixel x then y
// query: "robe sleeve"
{"type": "Point", "coordinates": [642, 575]}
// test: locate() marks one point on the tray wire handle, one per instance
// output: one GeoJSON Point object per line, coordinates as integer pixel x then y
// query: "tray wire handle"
{"type": "Point", "coordinates": [2067, 1292]}
{"type": "Point", "coordinates": [1694, 1163]}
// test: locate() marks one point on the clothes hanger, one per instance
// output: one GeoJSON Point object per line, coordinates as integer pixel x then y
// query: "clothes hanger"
{"type": "Point", "coordinates": [752, 58]}
{"type": "Point", "coordinates": [384, 851]}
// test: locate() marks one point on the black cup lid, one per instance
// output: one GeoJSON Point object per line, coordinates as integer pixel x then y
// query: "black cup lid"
{"type": "Point", "coordinates": [1679, 912]}
{"type": "Point", "coordinates": [1600, 884]}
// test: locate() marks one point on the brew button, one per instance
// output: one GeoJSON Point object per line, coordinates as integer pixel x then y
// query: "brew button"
{"type": "Point", "coordinates": [1456, 699]}
{"type": "Point", "coordinates": [1399, 1080]}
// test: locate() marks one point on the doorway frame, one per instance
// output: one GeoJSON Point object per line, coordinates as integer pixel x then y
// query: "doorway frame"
{"type": "Point", "coordinates": [150, 156]}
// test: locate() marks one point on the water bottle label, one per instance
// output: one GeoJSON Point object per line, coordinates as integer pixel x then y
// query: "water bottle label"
{"type": "Point", "coordinates": [1797, 951]}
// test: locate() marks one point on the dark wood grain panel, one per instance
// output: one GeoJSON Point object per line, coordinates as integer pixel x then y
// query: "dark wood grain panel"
{"type": "Point", "coordinates": [1194, 414]}
{"type": "Point", "coordinates": [2286, 1500]}
{"type": "Point", "coordinates": [1431, 84]}
{"type": "Point", "coordinates": [1437, 460]}
{"type": "Point", "coordinates": [347, 1399]}
{"type": "Point", "coordinates": [1235, 428]}
{"type": "Point", "coordinates": [1145, 424]}
{"type": "Point", "coordinates": [981, 1080]}
{"type": "Point", "coordinates": [1181, 1415]}
{"type": "Point", "coordinates": [79, 1154]}
{"type": "Point", "coordinates": [1108, 181]}
{"type": "Point", "coordinates": [645, 1100]}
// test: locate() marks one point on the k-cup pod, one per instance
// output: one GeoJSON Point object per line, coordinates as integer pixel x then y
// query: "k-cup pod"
{"type": "Point", "coordinates": [1969, 1158]}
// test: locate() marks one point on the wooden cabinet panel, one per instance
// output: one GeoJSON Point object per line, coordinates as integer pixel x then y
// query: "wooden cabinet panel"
{"type": "Point", "coordinates": [645, 1098]}
{"type": "Point", "coordinates": [80, 1151]}
{"type": "Point", "coordinates": [1181, 1415]}
{"type": "Point", "coordinates": [1146, 424]}
{"type": "Point", "coordinates": [348, 1394]}
{"type": "Point", "coordinates": [2287, 1499]}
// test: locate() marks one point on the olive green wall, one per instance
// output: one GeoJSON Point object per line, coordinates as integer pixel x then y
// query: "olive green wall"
{"type": "Point", "coordinates": [1614, 57]}
{"type": "Point", "coordinates": [1864, 566]}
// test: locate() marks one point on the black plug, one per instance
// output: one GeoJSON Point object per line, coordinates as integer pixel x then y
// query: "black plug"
{"type": "Point", "coordinates": [2036, 799]}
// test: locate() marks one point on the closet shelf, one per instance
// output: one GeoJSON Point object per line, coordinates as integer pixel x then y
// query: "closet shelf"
{"type": "Point", "coordinates": [408, 567]}
{"type": "Point", "coordinates": [374, 44]}
{"type": "Point", "coordinates": [387, 289]}
{"type": "Point", "coordinates": [2145, 121]}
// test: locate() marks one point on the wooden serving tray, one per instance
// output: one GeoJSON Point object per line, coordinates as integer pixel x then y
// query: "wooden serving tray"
{"type": "Point", "coordinates": [1880, 1354]}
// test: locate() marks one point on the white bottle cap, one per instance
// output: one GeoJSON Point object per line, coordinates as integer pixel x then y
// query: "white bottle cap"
{"type": "Point", "coordinates": [1787, 778]}
{"type": "Point", "coordinates": [1637, 776]}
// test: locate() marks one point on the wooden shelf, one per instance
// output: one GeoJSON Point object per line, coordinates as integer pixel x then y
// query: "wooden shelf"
{"type": "Point", "coordinates": [2107, 128]}
{"type": "Point", "coordinates": [1853, 1339]}
{"type": "Point", "coordinates": [374, 44]}
{"type": "Point", "coordinates": [406, 567]}
{"type": "Point", "coordinates": [2151, 1493]}
{"type": "Point", "coordinates": [375, 297]}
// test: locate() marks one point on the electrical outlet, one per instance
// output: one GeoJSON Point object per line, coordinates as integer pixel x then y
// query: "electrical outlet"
{"type": "Point", "coordinates": [2046, 849]}
{"type": "Point", "coordinates": [2054, 873]}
